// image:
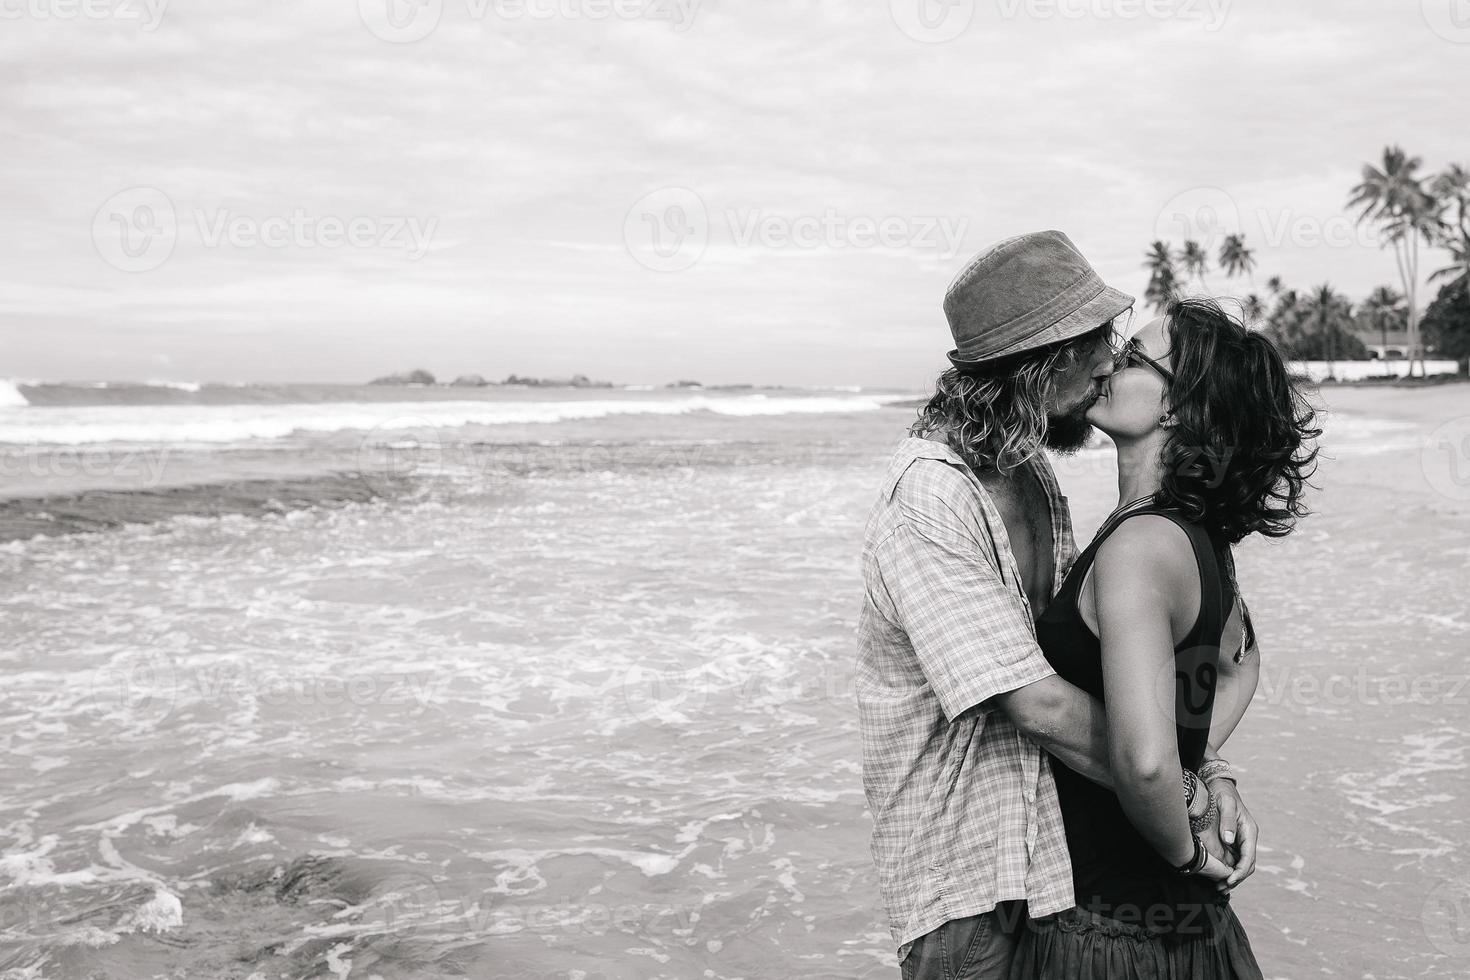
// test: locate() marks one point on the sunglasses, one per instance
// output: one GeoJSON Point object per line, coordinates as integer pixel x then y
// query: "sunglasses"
{"type": "Point", "coordinates": [1129, 354]}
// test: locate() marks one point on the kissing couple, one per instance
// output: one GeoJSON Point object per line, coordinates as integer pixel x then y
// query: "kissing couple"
{"type": "Point", "coordinates": [1042, 729]}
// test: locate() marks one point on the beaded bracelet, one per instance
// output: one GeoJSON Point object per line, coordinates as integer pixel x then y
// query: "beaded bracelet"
{"type": "Point", "coordinates": [1205, 820]}
{"type": "Point", "coordinates": [1216, 769]}
{"type": "Point", "coordinates": [1197, 861]}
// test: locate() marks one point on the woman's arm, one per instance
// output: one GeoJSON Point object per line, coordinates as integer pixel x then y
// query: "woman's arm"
{"type": "Point", "coordinates": [1141, 587]}
{"type": "Point", "coordinates": [1237, 681]}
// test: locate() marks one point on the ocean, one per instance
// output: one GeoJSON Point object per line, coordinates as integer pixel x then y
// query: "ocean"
{"type": "Point", "coordinates": [382, 682]}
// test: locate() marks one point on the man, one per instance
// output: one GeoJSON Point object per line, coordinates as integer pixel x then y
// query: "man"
{"type": "Point", "coordinates": [968, 541]}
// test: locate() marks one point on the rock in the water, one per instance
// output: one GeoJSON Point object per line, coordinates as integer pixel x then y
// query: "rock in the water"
{"type": "Point", "coordinates": [161, 913]}
{"type": "Point", "coordinates": [416, 377]}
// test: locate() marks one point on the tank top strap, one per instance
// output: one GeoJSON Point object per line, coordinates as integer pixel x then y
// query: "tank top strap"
{"type": "Point", "coordinates": [1215, 597]}
{"type": "Point", "coordinates": [1083, 562]}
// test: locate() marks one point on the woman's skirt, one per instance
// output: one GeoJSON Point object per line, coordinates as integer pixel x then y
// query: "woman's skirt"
{"type": "Point", "coordinates": [1079, 945]}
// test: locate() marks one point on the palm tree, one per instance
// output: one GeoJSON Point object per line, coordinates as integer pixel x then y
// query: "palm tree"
{"type": "Point", "coordinates": [1196, 261]}
{"type": "Point", "coordinates": [1253, 308]}
{"type": "Point", "coordinates": [1406, 212]}
{"type": "Point", "coordinates": [1275, 285]}
{"type": "Point", "coordinates": [1452, 188]}
{"type": "Point", "coordinates": [1284, 323]}
{"type": "Point", "coordinates": [1163, 281]}
{"type": "Point", "coordinates": [1382, 309]}
{"type": "Point", "coordinates": [1236, 257]}
{"type": "Point", "coordinates": [1325, 312]}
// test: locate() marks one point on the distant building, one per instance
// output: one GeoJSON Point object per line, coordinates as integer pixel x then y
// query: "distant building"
{"type": "Point", "coordinates": [1393, 346]}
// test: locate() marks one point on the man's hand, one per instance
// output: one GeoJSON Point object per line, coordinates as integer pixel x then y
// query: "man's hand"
{"type": "Point", "coordinates": [1211, 838]}
{"type": "Point", "coordinates": [1238, 832]}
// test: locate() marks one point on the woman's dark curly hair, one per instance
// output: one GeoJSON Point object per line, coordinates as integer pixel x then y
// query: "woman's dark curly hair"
{"type": "Point", "coordinates": [1244, 442]}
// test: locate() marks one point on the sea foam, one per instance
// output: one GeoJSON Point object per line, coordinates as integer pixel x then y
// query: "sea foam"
{"type": "Point", "coordinates": [218, 424]}
{"type": "Point", "coordinates": [10, 396]}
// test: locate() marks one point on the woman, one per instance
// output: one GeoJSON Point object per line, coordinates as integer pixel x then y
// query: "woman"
{"type": "Point", "coordinates": [1213, 443]}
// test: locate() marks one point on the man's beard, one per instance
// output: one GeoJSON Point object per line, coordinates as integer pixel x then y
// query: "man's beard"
{"type": "Point", "coordinates": [1069, 433]}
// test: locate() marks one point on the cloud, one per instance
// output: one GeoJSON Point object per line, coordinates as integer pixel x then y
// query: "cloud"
{"type": "Point", "coordinates": [527, 141]}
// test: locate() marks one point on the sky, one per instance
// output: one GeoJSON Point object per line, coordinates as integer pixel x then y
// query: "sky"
{"type": "Point", "coordinates": [651, 190]}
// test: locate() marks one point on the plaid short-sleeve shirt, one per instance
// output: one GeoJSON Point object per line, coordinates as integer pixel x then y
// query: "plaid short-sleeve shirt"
{"type": "Point", "coordinates": [965, 813]}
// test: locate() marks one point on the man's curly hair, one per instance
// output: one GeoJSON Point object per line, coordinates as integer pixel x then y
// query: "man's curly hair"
{"type": "Point", "coordinates": [1243, 445]}
{"type": "Point", "coordinates": [995, 417]}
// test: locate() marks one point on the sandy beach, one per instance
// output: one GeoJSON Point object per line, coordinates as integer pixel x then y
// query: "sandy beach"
{"type": "Point", "coordinates": [578, 702]}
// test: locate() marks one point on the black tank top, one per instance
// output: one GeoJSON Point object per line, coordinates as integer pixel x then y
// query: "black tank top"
{"type": "Point", "coordinates": [1115, 872]}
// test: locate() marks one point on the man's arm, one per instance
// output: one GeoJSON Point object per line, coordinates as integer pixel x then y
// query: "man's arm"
{"type": "Point", "coordinates": [973, 641]}
{"type": "Point", "coordinates": [1065, 721]}
{"type": "Point", "coordinates": [1233, 692]}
